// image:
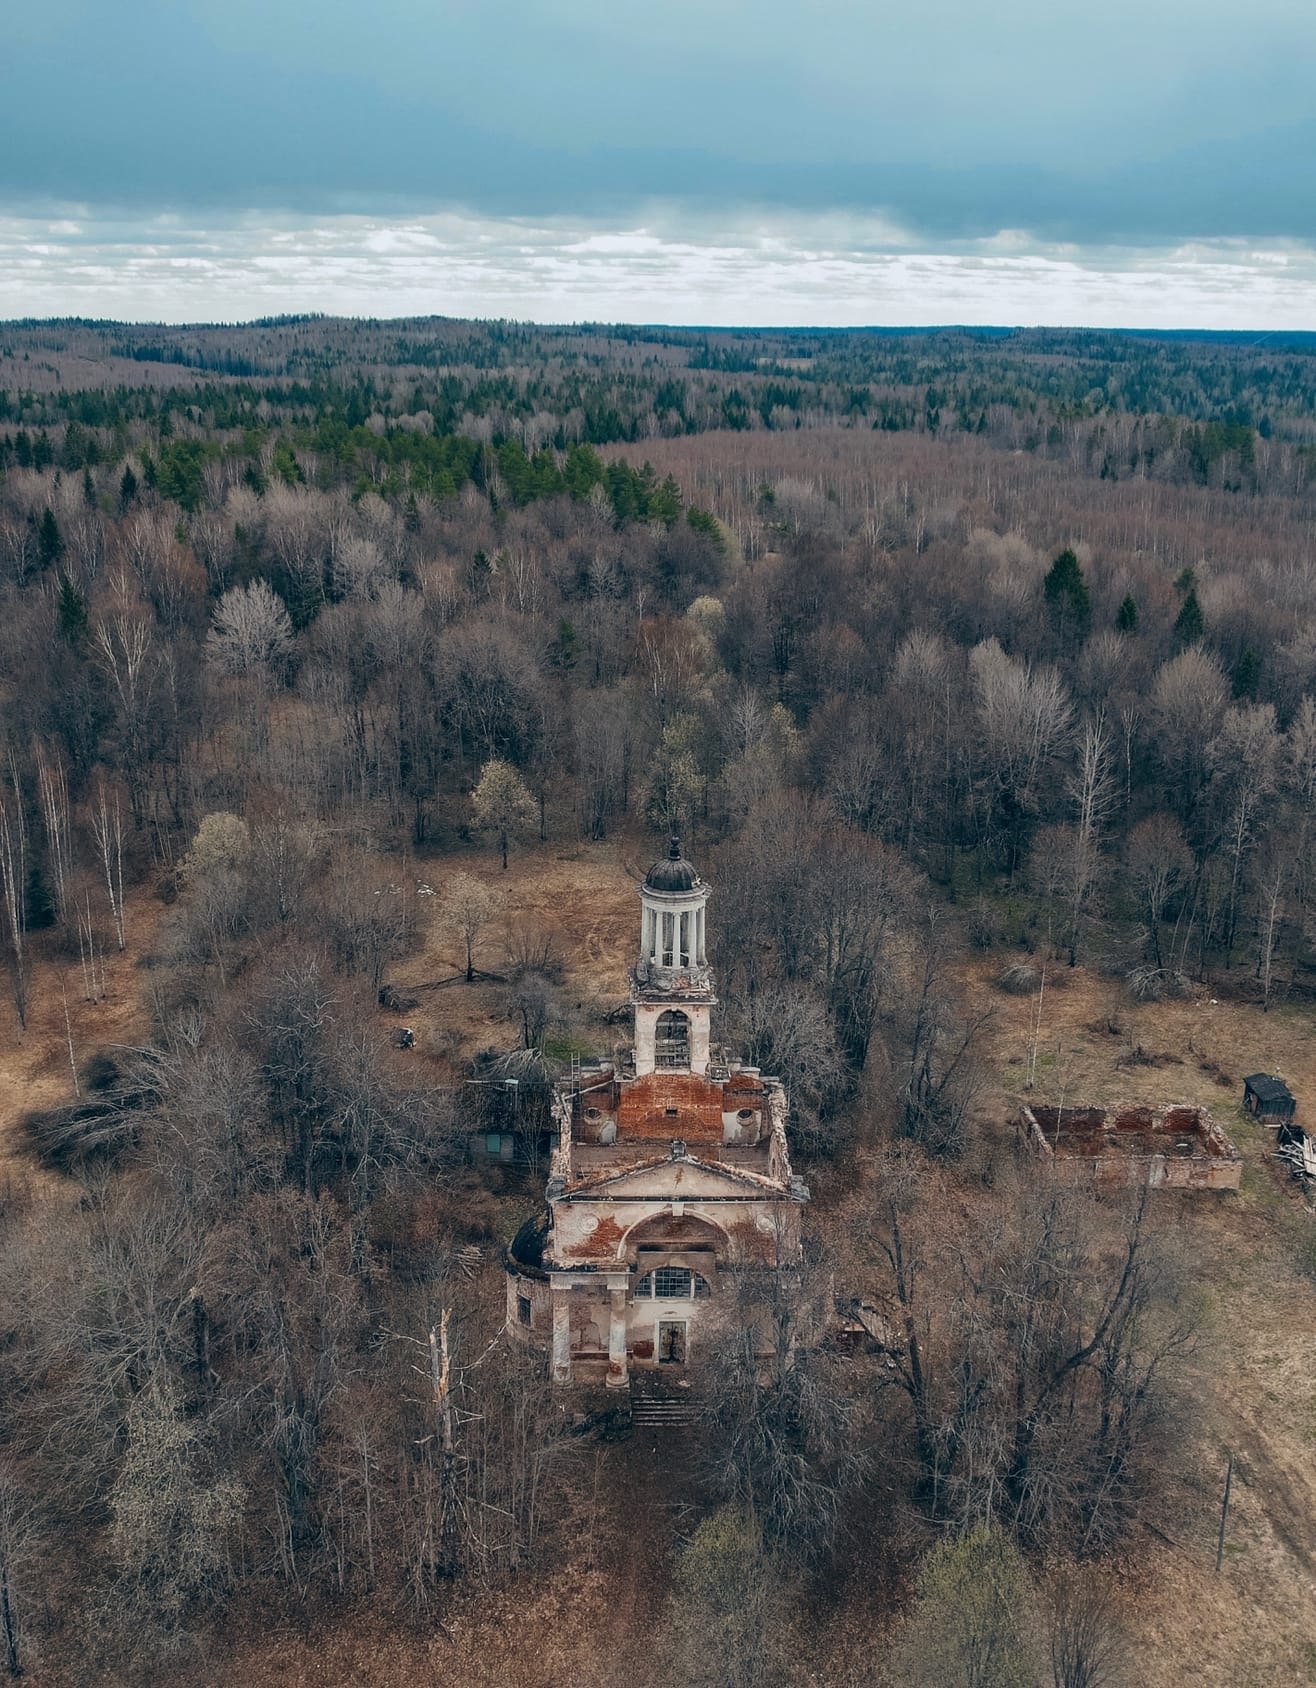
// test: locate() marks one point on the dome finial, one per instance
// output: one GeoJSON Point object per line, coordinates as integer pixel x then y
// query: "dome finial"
{"type": "Point", "coordinates": [674, 849]}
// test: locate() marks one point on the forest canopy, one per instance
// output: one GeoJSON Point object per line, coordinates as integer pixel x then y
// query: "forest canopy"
{"type": "Point", "coordinates": [944, 649]}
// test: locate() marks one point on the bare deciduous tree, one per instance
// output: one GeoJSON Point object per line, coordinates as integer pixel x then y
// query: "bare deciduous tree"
{"type": "Point", "coordinates": [1159, 864]}
{"type": "Point", "coordinates": [782, 1433]}
{"type": "Point", "coordinates": [502, 804]}
{"type": "Point", "coordinates": [252, 631]}
{"type": "Point", "coordinates": [13, 886]}
{"type": "Point", "coordinates": [471, 905]}
{"type": "Point", "coordinates": [107, 829]}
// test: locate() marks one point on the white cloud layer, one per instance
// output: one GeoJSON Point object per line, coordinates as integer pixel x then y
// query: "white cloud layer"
{"type": "Point", "coordinates": [669, 268]}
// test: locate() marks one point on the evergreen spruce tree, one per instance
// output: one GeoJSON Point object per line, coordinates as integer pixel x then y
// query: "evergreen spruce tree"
{"type": "Point", "coordinates": [1247, 674]}
{"type": "Point", "coordinates": [72, 612]}
{"type": "Point", "coordinates": [1189, 624]}
{"type": "Point", "coordinates": [50, 543]}
{"type": "Point", "coordinates": [1067, 597]}
{"type": "Point", "coordinates": [1126, 617]}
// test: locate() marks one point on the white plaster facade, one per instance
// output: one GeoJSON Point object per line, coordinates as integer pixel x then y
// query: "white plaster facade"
{"type": "Point", "coordinates": [670, 1170]}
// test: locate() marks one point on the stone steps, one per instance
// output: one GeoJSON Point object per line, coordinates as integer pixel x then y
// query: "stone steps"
{"type": "Point", "coordinates": [659, 1404]}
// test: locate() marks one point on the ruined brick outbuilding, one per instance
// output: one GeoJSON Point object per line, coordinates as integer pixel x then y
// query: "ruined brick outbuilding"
{"type": "Point", "coordinates": [670, 1170]}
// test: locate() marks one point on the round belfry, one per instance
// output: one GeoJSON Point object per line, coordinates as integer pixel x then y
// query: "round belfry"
{"type": "Point", "coordinates": [673, 985]}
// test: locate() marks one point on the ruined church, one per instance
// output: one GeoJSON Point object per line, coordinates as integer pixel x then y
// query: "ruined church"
{"type": "Point", "coordinates": [669, 1171]}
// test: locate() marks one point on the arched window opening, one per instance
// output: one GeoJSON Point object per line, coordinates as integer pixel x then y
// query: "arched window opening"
{"type": "Point", "coordinates": [672, 1039]}
{"type": "Point", "coordinates": [671, 1283]}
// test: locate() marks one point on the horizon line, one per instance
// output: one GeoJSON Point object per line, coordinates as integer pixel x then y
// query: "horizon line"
{"type": "Point", "coordinates": [289, 318]}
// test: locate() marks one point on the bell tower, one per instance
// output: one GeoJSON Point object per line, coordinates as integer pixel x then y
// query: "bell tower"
{"type": "Point", "coordinates": [672, 986]}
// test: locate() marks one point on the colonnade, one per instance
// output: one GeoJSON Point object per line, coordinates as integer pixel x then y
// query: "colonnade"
{"type": "Point", "coordinates": [561, 1353]}
{"type": "Point", "coordinates": [675, 938]}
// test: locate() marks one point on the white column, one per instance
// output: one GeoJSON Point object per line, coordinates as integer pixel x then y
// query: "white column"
{"type": "Point", "coordinates": [702, 958]}
{"type": "Point", "coordinates": [561, 1336]}
{"type": "Point", "coordinates": [617, 1378]}
{"type": "Point", "coordinates": [669, 946]}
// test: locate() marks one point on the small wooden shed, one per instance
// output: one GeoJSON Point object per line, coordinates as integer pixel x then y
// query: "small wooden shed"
{"type": "Point", "coordinates": [1268, 1099]}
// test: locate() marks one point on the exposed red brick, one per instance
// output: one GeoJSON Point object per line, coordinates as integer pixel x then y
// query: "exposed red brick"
{"type": "Point", "coordinates": [645, 1106]}
{"type": "Point", "coordinates": [601, 1244]}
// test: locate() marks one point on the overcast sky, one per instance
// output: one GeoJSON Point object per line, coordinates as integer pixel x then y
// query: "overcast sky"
{"type": "Point", "coordinates": [1150, 162]}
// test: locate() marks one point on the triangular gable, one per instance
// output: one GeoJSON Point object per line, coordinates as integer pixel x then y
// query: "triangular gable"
{"type": "Point", "coordinates": [679, 1180]}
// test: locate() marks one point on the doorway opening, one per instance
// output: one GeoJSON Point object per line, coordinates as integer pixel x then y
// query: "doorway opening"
{"type": "Point", "coordinates": [671, 1342]}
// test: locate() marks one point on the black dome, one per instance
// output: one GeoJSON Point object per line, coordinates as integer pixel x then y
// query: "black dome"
{"type": "Point", "coordinates": [672, 874]}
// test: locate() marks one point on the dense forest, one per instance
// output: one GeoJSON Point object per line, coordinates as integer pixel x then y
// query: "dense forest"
{"type": "Point", "coordinates": [939, 649]}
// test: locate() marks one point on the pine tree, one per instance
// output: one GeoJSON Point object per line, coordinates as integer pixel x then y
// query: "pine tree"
{"type": "Point", "coordinates": [565, 648]}
{"type": "Point", "coordinates": [665, 505]}
{"type": "Point", "coordinates": [1126, 617]}
{"type": "Point", "coordinates": [127, 487]}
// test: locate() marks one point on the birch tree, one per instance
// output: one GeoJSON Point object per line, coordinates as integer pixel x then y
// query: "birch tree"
{"type": "Point", "coordinates": [1092, 793]}
{"type": "Point", "coordinates": [53, 797]}
{"type": "Point", "coordinates": [13, 885]}
{"type": "Point", "coordinates": [107, 830]}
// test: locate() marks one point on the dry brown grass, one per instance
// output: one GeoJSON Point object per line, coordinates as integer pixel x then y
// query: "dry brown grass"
{"type": "Point", "coordinates": [1090, 1024]}
{"type": "Point", "coordinates": [1251, 1627]}
{"type": "Point", "coordinates": [34, 1063]}
{"type": "Point", "coordinates": [584, 896]}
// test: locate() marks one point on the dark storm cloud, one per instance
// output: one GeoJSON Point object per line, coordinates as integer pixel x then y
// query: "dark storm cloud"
{"type": "Point", "coordinates": [1075, 123]}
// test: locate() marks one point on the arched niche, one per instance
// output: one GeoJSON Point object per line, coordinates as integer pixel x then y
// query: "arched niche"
{"type": "Point", "coordinates": [687, 1234]}
{"type": "Point", "coordinates": [671, 1049]}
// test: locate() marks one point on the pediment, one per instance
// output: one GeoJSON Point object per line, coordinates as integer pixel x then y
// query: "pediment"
{"type": "Point", "coordinates": [685, 1179]}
